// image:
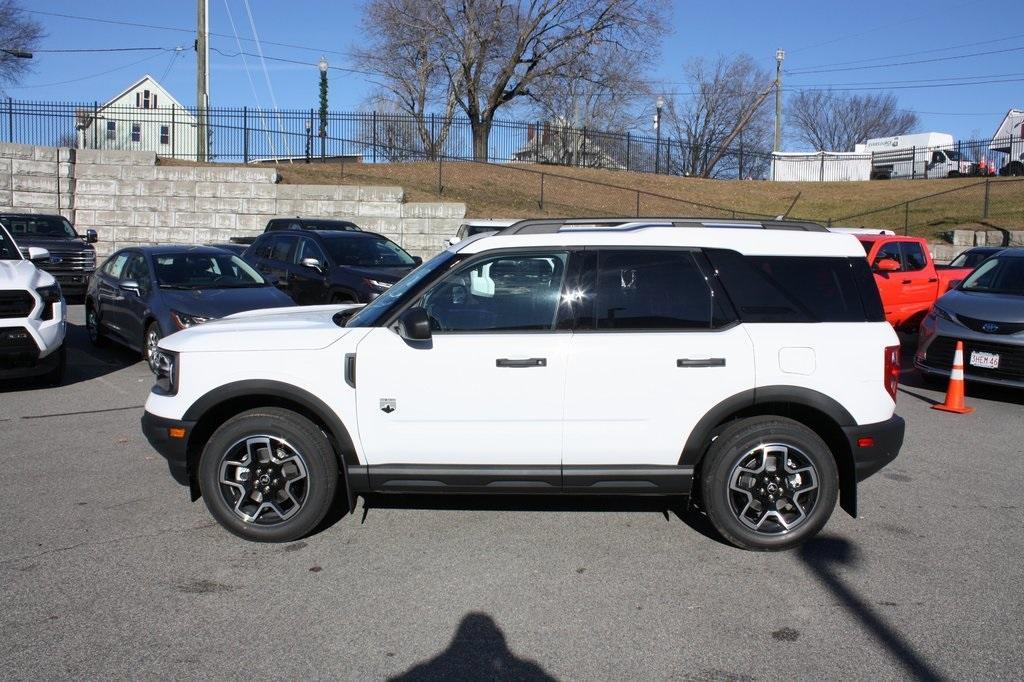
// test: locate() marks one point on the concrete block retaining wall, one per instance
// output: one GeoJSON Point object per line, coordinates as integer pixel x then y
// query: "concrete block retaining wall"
{"type": "Point", "coordinates": [129, 199]}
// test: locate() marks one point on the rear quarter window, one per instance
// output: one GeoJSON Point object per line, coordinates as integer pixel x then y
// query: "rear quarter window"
{"type": "Point", "coordinates": [798, 288]}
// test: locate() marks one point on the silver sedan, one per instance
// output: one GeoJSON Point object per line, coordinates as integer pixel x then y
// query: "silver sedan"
{"type": "Point", "coordinates": [986, 312]}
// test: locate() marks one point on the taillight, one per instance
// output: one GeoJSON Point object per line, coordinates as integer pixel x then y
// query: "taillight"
{"type": "Point", "coordinates": [892, 370]}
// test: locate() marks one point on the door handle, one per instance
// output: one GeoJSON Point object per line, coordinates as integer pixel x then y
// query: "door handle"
{"type": "Point", "coordinates": [933, 280]}
{"type": "Point", "coordinates": [703, 362]}
{"type": "Point", "coordinates": [906, 281]}
{"type": "Point", "coordinates": [528, 362]}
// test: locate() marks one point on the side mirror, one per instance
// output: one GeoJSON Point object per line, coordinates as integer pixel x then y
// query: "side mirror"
{"type": "Point", "coordinates": [414, 325]}
{"type": "Point", "coordinates": [37, 254]}
{"type": "Point", "coordinates": [130, 285]}
{"type": "Point", "coordinates": [887, 265]}
{"type": "Point", "coordinates": [313, 264]}
{"type": "Point", "coordinates": [417, 260]}
{"type": "Point", "coordinates": [91, 237]}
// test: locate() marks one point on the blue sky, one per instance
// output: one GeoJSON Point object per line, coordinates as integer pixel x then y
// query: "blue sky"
{"type": "Point", "coordinates": [817, 36]}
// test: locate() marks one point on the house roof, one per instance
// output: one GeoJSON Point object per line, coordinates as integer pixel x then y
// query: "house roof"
{"type": "Point", "coordinates": [146, 77]}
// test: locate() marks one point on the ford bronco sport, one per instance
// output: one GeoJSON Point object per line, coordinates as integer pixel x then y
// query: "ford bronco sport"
{"type": "Point", "coordinates": [745, 364]}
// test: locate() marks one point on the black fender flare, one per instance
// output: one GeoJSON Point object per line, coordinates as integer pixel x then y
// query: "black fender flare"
{"type": "Point", "coordinates": [279, 389]}
{"type": "Point", "coordinates": [700, 437]}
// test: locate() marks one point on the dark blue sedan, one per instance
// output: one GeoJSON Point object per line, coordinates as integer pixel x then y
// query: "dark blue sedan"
{"type": "Point", "coordinates": [141, 294]}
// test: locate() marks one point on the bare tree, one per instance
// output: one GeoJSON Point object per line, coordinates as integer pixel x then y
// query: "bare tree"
{"type": "Point", "coordinates": [494, 51]}
{"type": "Point", "coordinates": [828, 121]}
{"type": "Point", "coordinates": [722, 113]}
{"type": "Point", "coordinates": [404, 52]}
{"type": "Point", "coordinates": [598, 93]}
{"type": "Point", "coordinates": [18, 31]}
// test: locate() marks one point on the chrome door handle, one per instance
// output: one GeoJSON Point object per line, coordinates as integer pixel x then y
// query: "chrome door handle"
{"type": "Point", "coordinates": [703, 362]}
{"type": "Point", "coordinates": [528, 362]}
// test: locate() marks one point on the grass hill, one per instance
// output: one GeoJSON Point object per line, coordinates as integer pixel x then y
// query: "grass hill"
{"type": "Point", "coordinates": [500, 191]}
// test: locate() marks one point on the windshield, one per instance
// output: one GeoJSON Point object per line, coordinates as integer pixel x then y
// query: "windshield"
{"type": "Point", "coordinates": [369, 252]}
{"type": "Point", "coordinates": [204, 271]}
{"type": "Point", "coordinates": [379, 307]}
{"type": "Point", "coordinates": [472, 230]}
{"type": "Point", "coordinates": [971, 258]}
{"type": "Point", "coordinates": [39, 226]}
{"type": "Point", "coordinates": [953, 156]}
{"type": "Point", "coordinates": [8, 251]}
{"type": "Point", "coordinates": [997, 275]}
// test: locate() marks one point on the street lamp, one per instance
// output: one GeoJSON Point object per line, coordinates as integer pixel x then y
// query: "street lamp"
{"type": "Point", "coordinates": [21, 54]}
{"type": "Point", "coordinates": [323, 107]}
{"type": "Point", "coordinates": [658, 105]}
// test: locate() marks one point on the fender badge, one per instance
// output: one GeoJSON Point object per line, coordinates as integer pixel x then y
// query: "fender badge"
{"type": "Point", "coordinates": [388, 405]}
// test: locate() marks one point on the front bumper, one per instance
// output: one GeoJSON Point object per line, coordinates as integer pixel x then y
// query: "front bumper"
{"type": "Point", "coordinates": [20, 355]}
{"type": "Point", "coordinates": [937, 342]}
{"type": "Point", "coordinates": [72, 284]}
{"type": "Point", "coordinates": [874, 445]}
{"type": "Point", "coordinates": [175, 450]}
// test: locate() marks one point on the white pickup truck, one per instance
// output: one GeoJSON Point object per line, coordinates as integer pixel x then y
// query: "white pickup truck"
{"type": "Point", "coordinates": [33, 315]}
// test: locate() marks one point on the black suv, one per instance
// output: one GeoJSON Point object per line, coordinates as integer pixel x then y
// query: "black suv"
{"type": "Point", "coordinates": [321, 266]}
{"type": "Point", "coordinates": [298, 223]}
{"type": "Point", "coordinates": [72, 256]}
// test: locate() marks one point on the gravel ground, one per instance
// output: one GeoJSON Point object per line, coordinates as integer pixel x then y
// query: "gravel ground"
{"type": "Point", "coordinates": [108, 570]}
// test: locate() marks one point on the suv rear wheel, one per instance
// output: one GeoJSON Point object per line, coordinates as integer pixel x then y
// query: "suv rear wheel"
{"type": "Point", "coordinates": [769, 483]}
{"type": "Point", "coordinates": [269, 475]}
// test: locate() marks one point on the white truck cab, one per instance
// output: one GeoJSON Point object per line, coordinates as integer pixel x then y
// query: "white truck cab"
{"type": "Point", "coordinates": [919, 155]}
{"type": "Point", "coordinates": [33, 315]}
{"type": "Point", "coordinates": [747, 364]}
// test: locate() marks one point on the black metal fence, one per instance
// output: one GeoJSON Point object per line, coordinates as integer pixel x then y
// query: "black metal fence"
{"type": "Point", "coordinates": [250, 135]}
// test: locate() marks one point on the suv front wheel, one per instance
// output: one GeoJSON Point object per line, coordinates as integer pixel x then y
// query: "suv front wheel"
{"type": "Point", "coordinates": [769, 483]}
{"type": "Point", "coordinates": [269, 475]}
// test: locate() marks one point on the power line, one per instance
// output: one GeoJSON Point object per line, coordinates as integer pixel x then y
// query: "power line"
{"type": "Point", "coordinates": [179, 30]}
{"type": "Point", "coordinates": [291, 61]}
{"type": "Point", "coordinates": [914, 54]}
{"type": "Point", "coordinates": [106, 49]}
{"type": "Point", "coordinates": [918, 61]}
{"type": "Point", "coordinates": [82, 78]}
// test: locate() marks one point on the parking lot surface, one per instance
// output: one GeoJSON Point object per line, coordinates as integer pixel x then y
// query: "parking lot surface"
{"type": "Point", "coordinates": [109, 571]}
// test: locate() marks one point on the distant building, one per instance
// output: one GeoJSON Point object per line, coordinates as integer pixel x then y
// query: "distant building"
{"type": "Point", "coordinates": [561, 144]}
{"type": "Point", "coordinates": [143, 117]}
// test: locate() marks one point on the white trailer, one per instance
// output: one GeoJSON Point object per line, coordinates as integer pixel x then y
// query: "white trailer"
{"type": "Point", "coordinates": [820, 166]}
{"type": "Point", "coordinates": [921, 155]}
{"type": "Point", "coordinates": [1009, 139]}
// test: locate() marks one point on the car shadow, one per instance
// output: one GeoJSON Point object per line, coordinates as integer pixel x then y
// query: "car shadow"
{"type": "Point", "coordinates": [478, 651]}
{"type": "Point", "coordinates": [85, 361]}
{"type": "Point", "coordinates": [823, 556]}
{"type": "Point", "coordinates": [667, 507]}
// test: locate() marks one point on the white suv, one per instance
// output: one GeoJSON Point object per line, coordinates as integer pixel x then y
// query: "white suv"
{"type": "Point", "coordinates": [33, 315]}
{"type": "Point", "coordinates": [745, 364]}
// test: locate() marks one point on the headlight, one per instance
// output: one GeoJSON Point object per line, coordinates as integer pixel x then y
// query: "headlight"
{"type": "Point", "coordinates": [942, 313]}
{"type": "Point", "coordinates": [166, 364]}
{"type": "Point", "coordinates": [184, 320]}
{"type": "Point", "coordinates": [50, 295]}
{"type": "Point", "coordinates": [378, 285]}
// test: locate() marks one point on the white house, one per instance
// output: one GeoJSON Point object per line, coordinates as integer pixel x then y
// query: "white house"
{"type": "Point", "coordinates": [142, 117]}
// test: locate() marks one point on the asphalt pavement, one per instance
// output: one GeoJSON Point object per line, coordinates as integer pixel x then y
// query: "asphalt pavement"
{"type": "Point", "coordinates": [108, 571]}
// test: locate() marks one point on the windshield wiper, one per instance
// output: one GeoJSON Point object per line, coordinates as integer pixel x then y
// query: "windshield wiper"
{"type": "Point", "coordinates": [184, 287]}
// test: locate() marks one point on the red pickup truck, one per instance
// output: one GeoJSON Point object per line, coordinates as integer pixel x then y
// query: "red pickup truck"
{"type": "Point", "coordinates": [907, 277]}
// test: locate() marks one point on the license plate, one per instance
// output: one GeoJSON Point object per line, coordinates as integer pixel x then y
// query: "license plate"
{"type": "Point", "coordinates": [983, 359]}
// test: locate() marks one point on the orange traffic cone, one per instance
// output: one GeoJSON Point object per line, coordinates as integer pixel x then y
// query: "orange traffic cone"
{"type": "Point", "coordinates": [955, 392]}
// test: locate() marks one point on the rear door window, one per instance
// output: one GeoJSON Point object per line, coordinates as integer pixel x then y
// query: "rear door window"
{"type": "Point", "coordinates": [647, 290]}
{"type": "Point", "coordinates": [913, 256]}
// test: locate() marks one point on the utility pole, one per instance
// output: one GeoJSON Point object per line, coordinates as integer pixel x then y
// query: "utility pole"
{"type": "Point", "coordinates": [779, 56]}
{"type": "Point", "coordinates": [202, 80]}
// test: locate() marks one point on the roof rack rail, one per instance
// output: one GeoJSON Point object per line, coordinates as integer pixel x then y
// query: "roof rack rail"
{"type": "Point", "coordinates": [552, 225]}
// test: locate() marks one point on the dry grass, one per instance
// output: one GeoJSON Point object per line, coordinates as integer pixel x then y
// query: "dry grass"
{"type": "Point", "coordinates": [515, 191]}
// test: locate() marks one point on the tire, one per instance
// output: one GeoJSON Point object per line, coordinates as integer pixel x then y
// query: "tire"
{"type": "Point", "coordinates": [56, 375]}
{"type": "Point", "coordinates": [953, 174]}
{"type": "Point", "coordinates": [149, 343]}
{"type": "Point", "coordinates": [282, 511]}
{"type": "Point", "coordinates": [92, 326]}
{"type": "Point", "coordinates": [743, 457]}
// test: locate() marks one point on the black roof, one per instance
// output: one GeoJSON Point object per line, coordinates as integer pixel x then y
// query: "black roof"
{"type": "Point", "coordinates": [550, 225]}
